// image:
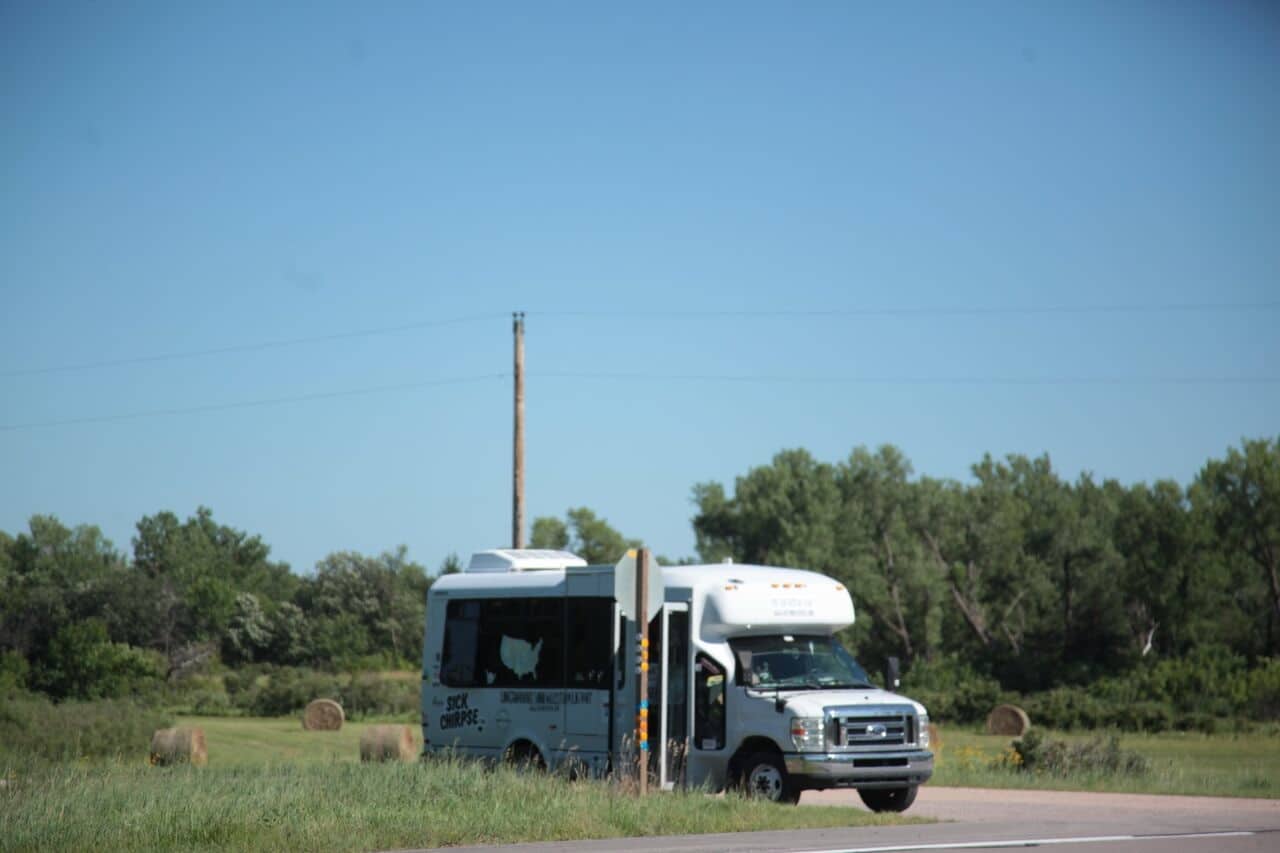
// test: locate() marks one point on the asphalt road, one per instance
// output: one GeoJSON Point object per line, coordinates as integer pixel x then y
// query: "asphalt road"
{"type": "Point", "coordinates": [980, 819]}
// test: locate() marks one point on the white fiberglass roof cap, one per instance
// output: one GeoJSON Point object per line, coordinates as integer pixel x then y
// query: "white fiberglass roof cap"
{"type": "Point", "coordinates": [522, 560]}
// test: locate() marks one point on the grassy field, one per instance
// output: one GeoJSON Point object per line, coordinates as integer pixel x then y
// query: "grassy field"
{"type": "Point", "coordinates": [238, 741]}
{"type": "Point", "coordinates": [1237, 765]}
{"type": "Point", "coordinates": [1231, 765]}
{"type": "Point", "coordinates": [272, 786]}
{"type": "Point", "coordinates": [350, 806]}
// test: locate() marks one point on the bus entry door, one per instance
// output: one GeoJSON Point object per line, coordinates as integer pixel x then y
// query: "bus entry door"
{"type": "Point", "coordinates": [669, 693]}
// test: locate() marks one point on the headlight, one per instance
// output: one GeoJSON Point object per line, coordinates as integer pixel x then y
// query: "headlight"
{"type": "Point", "coordinates": [923, 737]}
{"type": "Point", "coordinates": [807, 733]}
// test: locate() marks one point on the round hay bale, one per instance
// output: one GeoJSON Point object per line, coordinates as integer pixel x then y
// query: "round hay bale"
{"type": "Point", "coordinates": [323, 715]}
{"type": "Point", "coordinates": [387, 743]}
{"type": "Point", "coordinates": [935, 738]}
{"type": "Point", "coordinates": [179, 746]}
{"type": "Point", "coordinates": [1008, 720]}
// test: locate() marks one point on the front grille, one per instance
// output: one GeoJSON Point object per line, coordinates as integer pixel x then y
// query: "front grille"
{"type": "Point", "coordinates": [870, 730]}
{"type": "Point", "coordinates": [880, 762]}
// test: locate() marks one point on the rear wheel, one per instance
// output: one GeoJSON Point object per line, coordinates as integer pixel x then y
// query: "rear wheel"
{"type": "Point", "coordinates": [524, 756]}
{"type": "Point", "coordinates": [889, 799]}
{"type": "Point", "coordinates": [764, 776]}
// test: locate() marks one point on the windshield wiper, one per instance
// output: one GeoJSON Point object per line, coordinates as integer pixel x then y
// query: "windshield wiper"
{"type": "Point", "coordinates": [809, 683]}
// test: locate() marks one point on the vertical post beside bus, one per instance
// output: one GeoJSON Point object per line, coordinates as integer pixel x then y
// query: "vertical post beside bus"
{"type": "Point", "coordinates": [642, 668]}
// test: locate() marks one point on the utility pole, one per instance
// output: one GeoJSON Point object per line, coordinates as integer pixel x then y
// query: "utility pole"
{"type": "Point", "coordinates": [642, 669]}
{"type": "Point", "coordinates": [517, 474]}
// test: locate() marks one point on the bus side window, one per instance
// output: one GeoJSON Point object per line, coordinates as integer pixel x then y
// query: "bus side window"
{"type": "Point", "coordinates": [620, 653]}
{"type": "Point", "coordinates": [522, 644]}
{"type": "Point", "coordinates": [708, 704]}
{"type": "Point", "coordinates": [590, 658]}
{"type": "Point", "coordinates": [461, 631]}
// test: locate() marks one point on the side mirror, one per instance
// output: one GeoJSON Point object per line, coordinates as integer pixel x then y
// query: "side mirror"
{"type": "Point", "coordinates": [892, 674]}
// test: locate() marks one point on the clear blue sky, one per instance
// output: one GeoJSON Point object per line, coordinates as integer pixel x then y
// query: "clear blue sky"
{"type": "Point", "coordinates": [185, 177]}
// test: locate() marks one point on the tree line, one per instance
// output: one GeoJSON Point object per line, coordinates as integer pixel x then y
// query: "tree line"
{"type": "Point", "coordinates": [1019, 574]}
{"type": "Point", "coordinates": [80, 619]}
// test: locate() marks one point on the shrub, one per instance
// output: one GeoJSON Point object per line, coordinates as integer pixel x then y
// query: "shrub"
{"type": "Point", "coordinates": [1263, 690]}
{"type": "Point", "coordinates": [952, 690]}
{"type": "Point", "coordinates": [1187, 693]}
{"type": "Point", "coordinates": [83, 663]}
{"type": "Point", "coordinates": [32, 726]}
{"type": "Point", "coordinates": [1138, 717]}
{"type": "Point", "coordinates": [288, 691]}
{"type": "Point", "coordinates": [1209, 679]}
{"type": "Point", "coordinates": [13, 670]}
{"type": "Point", "coordinates": [1033, 753]}
{"type": "Point", "coordinates": [1206, 723]}
{"type": "Point", "coordinates": [369, 694]}
{"type": "Point", "coordinates": [240, 684]}
{"type": "Point", "coordinates": [269, 691]}
{"type": "Point", "coordinates": [1064, 708]}
{"type": "Point", "coordinates": [206, 701]}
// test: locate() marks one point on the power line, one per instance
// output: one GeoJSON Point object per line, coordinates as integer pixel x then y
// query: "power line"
{"type": "Point", "coordinates": [774, 379]}
{"type": "Point", "coordinates": [933, 311]}
{"type": "Point", "coordinates": [900, 311]}
{"type": "Point", "coordinates": [253, 347]}
{"type": "Point", "coordinates": [912, 380]}
{"type": "Point", "coordinates": [247, 404]}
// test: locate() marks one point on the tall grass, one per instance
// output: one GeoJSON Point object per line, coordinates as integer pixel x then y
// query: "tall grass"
{"type": "Point", "coordinates": [1240, 765]}
{"type": "Point", "coordinates": [347, 806]}
{"type": "Point", "coordinates": [32, 727]}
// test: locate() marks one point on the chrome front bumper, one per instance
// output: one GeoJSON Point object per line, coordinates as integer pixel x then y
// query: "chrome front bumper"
{"type": "Point", "coordinates": [860, 769]}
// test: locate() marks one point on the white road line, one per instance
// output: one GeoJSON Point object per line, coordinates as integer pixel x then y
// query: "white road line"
{"type": "Point", "coordinates": [1024, 842]}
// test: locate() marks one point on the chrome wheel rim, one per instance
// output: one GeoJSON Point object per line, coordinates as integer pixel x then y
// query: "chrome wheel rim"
{"type": "Point", "coordinates": [765, 781]}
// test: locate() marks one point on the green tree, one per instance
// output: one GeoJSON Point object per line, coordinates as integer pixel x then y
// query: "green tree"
{"type": "Point", "coordinates": [1067, 539]}
{"type": "Point", "coordinates": [52, 575]}
{"type": "Point", "coordinates": [249, 633]}
{"type": "Point", "coordinates": [974, 536]}
{"type": "Point", "coordinates": [1158, 543]}
{"type": "Point", "coordinates": [289, 643]}
{"type": "Point", "coordinates": [199, 566]}
{"type": "Point", "coordinates": [882, 558]}
{"type": "Point", "coordinates": [451, 565]}
{"type": "Point", "coordinates": [1097, 633]}
{"type": "Point", "coordinates": [83, 663]}
{"type": "Point", "coordinates": [1239, 497]}
{"type": "Point", "coordinates": [582, 532]}
{"type": "Point", "coordinates": [359, 606]}
{"type": "Point", "coordinates": [783, 514]}
{"type": "Point", "coordinates": [549, 532]}
{"type": "Point", "coordinates": [594, 540]}
{"type": "Point", "coordinates": [202, 547]}
{"type": "Point", "coordinates": [715, 525]}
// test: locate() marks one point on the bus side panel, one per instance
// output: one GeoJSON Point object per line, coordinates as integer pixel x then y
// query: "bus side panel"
{"type": "Point", "coordinates": [432, 642]}
{"type": "Point", "coordinates": [465, 718]}
{"type": "Point", "coordinates": [589, 666]}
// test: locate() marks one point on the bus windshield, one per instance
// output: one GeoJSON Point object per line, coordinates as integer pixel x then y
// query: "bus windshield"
{"type": "Point", "coordinates": [796, 662]}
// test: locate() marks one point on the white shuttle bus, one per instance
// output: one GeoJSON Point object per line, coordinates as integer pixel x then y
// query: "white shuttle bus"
{"type": "Point", "coordinates": [529, 655]}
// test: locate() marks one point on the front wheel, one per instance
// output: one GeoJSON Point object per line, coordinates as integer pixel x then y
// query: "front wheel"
{"type": "Point", "coordinates": [889, 799]}
{"type": "Point", "coordinates": [765, 777]}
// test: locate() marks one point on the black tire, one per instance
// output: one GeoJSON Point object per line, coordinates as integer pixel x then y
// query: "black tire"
{"type": "Point", "coordinates": [525, 757]}
{"type": "Point", "coordinates": [762, 775]}
{"type": "Point", "coordinates": [889, 799]}
{"type": "Point", "coordinates": [573, 770]}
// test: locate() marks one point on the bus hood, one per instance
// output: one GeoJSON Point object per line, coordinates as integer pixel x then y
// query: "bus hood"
{"type": "Point", "coordinates": [812, 703]}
